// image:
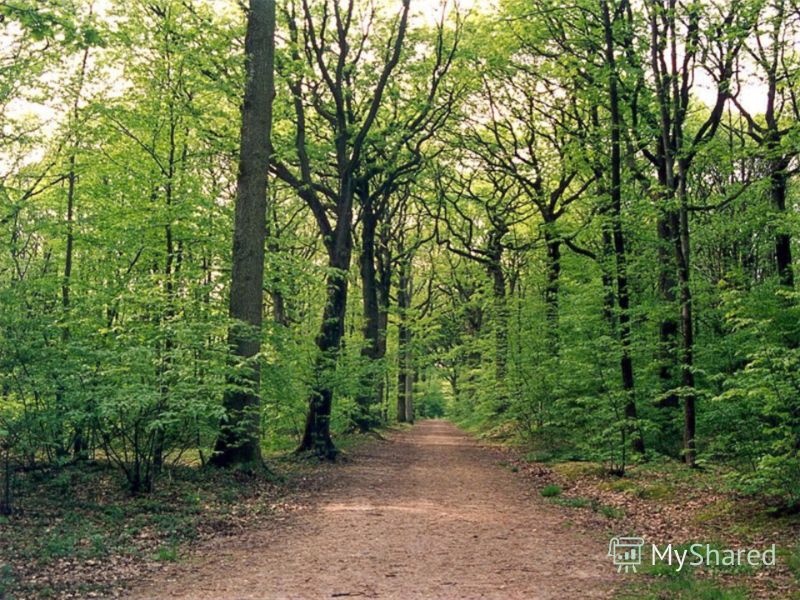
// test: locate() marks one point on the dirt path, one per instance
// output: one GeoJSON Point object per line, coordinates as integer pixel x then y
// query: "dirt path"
{"type": "Point", "coordinates": [426, 514]}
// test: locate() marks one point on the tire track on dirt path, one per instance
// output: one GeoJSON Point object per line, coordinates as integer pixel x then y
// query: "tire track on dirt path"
{"type": "Point", "coordinates": [424, 514]}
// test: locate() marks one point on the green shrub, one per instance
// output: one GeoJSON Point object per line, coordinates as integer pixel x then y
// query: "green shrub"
{"type": "Point", "coordinates": [550, 491]}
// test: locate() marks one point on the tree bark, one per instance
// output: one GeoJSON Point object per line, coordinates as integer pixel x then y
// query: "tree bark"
{"type": "Point", "coordinates": [372, 385]}
{"type": "Point", "coordinates": [552, 283]}
{"type": "Point", "coordinates": [405, 383]}
{"type": "Point", "coordinates": [783, 240]}
{"type": "Point", "coordinates": [500, 333]}
{"type": "Point", "coordinates": [623, 297]}
{"type": "Point", "coordinates": [682, 251]}
{"type": "Point", "coordinates": [668, 327]}
{"type": "Point", "coordinates": [350, 132]}
{"type": "Point", "coordinates": [384, 288]}
{"type": "Point", "coordinates": [778, 159]}
{"type": "Point", "coordinates": [239, 439]}
{"type": "Point", "coordinates": [79, 448]}
{"type": "Point", "coordinates": [317, 433]}
{"type": "Point", "coordinates": [279, 313]}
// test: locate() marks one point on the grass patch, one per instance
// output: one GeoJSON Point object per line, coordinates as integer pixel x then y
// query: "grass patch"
{"type": "Point", "coordinates": [166, 553]}
{"type": "Point", "coordinates": [7, 580]}
{"type": "Point", "coordinates": [638, 489]}
{"type": "Point", "coordinates": [658, 491]}
{"type": "Point", "coordinates": [550, 491]}
{"type": "Point", "coordinates": [662, 581]}
{"type": "Point", "coordinates": [715, 511]}
{"type": "Point", "coordinates": [792, 558]}
{"type": "Point", "coordinates": [572, 470]}
{"type": "Point", "coordinates": [572, 502]}
{"type": "Point", "coordinates": [685, 586]}
{"type": "Point", "coordinates": [621, 484]}
{"type": "Point", "coordinates": [610, 512]}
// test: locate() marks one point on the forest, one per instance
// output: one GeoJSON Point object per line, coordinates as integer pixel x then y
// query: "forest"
{"type": "Point", "coordinates": [235, 231]}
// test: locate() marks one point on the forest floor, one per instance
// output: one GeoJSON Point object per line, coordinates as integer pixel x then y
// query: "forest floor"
{"type": "Point", "coordinates": [420, 512]}
{"type": "Point", "coordinates": [665, 502]}
{"type": "Point", "coordinates": [427, 513]}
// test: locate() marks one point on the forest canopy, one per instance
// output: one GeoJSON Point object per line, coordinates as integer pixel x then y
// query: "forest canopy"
{"type": "Point", "coordinates": [572, 223]}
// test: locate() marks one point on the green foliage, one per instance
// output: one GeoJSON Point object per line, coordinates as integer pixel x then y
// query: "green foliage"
{"type": "Point", "coordinates": [549, 491]}
{"type": "Point", "coordinates": [121, 164]}
{"type": "Point", "coordinates": [610, 512]}
{"type": "Point", "coordinates": [687, 587]}
{"type": "Point", "coordinates": [166, 553]}
{"type": "Point", "coordinates": [760, 400]}
{"type": "Point", "coordinates": [572, 502]}
{"type": "Point", "coordinates": [793, 561]}
{"type": "Point", "coordinates": [535, 261]}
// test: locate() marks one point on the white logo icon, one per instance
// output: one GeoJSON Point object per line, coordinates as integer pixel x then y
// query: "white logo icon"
{"type": "Point", "coordinates": [626, 552]}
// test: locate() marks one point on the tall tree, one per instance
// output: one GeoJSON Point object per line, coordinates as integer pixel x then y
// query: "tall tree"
{"type": "Point", "coordinates": [778, 27]}
{"type": "Point", "coordinates": [678, 36]}
{"type": "Point", "coordinates": [326, 77]}
{"type": "Point", "coordinates": [618, 236]}
{"type": "Point", "coordinates": [239, 440]}
{"type": "Point", "coordinates": [415, 111]}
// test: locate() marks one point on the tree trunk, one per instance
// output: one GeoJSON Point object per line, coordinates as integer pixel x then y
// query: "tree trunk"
{"type": "Point", "coordinates": [552, 285]}
{"type": "Point", "coordinates": [79, 446]}
{"type": "Point", "coordinates": [682, 250]}
{"type": "Point", "coordinates": [384, 287]}
{"type": "Point", "coordinates": [623, 298]}
{"type": "Point", "coordinates": [783, 240]}
{"type": "Point", "coordinates": [372, 384]}
{"type": "Point", "coordinates": [404, 358]}
{"type": "Point", "coordinates": [77, 442]}
{"type": "Point", "coordinates": [317, 434]}
{"type": "Point", "coordinates": [500, 334]}
{"type": "Point", "coordinates": [409, 389]}
{"type": "Point", "coordinates": [279, 313]}
{"type": "Point", "coordinates": [165, 365]}
{"type": "Point", "coordinates": [778, 160]}
{"type": "Point", "coordinates": [239, 439]}
{"type": "Point", "coordinates": [668, 327]}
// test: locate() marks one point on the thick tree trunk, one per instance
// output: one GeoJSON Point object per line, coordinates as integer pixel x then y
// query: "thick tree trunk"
{"type": "Point", "coordinates": [317, 434]}
{"type": "Point", "coordinates": [239, 439]}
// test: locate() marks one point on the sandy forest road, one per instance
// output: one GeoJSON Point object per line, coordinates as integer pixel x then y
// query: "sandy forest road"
{"type": "Point", "coordinates": [427, 514]}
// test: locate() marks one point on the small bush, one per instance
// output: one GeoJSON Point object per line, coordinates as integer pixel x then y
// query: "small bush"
{"type": "Point", "coordinates": [610, 512]}
{"type": "Point", "coordinates": [166, 553]}
{"type": "Point", "coordinates": [793, 562]}
{"type": "Point", "coordinates": [550, 491]}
